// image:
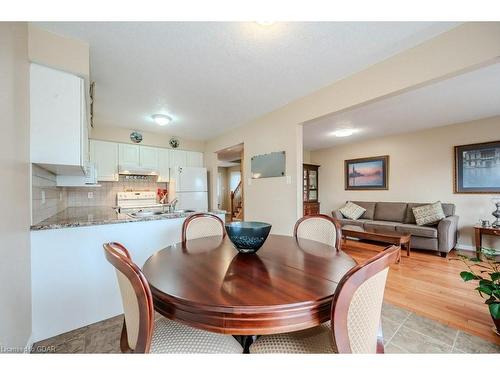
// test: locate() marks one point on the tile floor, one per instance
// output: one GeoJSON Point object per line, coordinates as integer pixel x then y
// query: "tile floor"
{"type": "Point", "coordinates": [404, 332]}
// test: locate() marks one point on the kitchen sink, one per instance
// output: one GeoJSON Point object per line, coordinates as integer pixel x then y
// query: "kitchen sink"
{"type": "Point", "coordinates": [147, 213]}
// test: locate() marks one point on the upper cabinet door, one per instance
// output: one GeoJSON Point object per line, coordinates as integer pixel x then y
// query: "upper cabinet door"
{"type": "Point", "coordinates": [148, 157]}
{"type": "Point", "coordinates": [105, 157]}
{"type": "Point", "coordinates": [178, 158]}
{"type": "Point", "coordinates": [56, 110]}
{"type": "Point", "coordinates": [163, 165]}
{"type": "Point", "coordinates": [194, 159]}
{"type": "Point", "coordinates": [128, 155]}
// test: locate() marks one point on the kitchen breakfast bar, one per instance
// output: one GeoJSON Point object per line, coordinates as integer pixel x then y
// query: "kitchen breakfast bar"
{"type": "Point", "coordinates": [72, 283]}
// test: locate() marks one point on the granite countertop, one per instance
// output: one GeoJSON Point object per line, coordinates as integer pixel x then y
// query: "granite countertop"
{"type": "Point", "coordinates": [73, 217]}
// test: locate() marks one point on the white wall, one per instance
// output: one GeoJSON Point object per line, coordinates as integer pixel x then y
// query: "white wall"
{"type": "Point", "coordinates": [15, 285]}
{"type": "Point", "coordinates": [122, 135]}
{"type": "Point", "coordinates": [421, 170]}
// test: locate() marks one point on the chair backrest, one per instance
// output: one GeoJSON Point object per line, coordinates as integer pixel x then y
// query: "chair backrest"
{"type": "Point", "coordinates": [357, 305]}
{"type": "Point", "coordinates": [202, 225]}
{"type": "Point", "coordinates": [320, 228]}
{"type": "Point", "coordinates": [136, 298]}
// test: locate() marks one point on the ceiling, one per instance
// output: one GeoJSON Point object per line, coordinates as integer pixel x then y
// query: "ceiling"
{"type": "Point", "coordinates": [466, 97]}
{"type": "Point", "coordinates": [230, 156]}
{"type": "Point", "coordinates": [214, 76]}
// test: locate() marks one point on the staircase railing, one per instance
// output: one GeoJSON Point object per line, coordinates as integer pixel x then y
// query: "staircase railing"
{"type": "Point", "coordinates": [236, 201]}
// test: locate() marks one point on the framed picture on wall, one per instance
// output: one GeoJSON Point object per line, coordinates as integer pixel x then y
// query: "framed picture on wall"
{"type": "Point", "coordinates": [477, 168]}
{"type": "Point", "coordinates": [367, 173]}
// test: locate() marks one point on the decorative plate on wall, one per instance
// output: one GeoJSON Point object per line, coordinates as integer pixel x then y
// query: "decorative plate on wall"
{"type": "Point", "coordinates": [136, 137]}
{"type": "Point", "coordinates": [174, 142]}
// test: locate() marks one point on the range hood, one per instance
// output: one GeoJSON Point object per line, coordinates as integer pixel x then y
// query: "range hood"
{"type": "Point", "coordinates": [136, 170]}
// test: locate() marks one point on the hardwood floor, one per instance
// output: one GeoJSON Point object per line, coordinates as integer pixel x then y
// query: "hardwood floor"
{"type": "Point", "coordinates": [431, 286]}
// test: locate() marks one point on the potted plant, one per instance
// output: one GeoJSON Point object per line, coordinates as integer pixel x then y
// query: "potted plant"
{"type": "Point", "coordinates": [485, 269]}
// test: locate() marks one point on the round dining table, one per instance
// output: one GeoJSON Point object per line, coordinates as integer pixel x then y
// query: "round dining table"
{"type": "Point", "coordinates": [288, 285]}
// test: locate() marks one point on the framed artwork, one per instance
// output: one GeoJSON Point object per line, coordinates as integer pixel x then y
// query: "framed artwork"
{"type": "Point", "coordinates": [367, 173]}
{"type": "Point", "coordinates": [477, 168]}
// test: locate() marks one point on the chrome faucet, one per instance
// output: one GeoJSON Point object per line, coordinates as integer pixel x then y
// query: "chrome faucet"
{"type": "Point", "coordinates": [173, 204]}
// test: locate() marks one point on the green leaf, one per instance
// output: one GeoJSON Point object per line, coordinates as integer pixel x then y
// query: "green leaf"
{"type": "Point", "coordinates": [467, 276]}
{"type": "Point", "coordinates": [495, 310]}
{"type": "Point", "coordinates": [495, 276]}
{"type": "Point", "coordinates": [485, 290]}
{"type": "Point", "coordinates": [486, 283]}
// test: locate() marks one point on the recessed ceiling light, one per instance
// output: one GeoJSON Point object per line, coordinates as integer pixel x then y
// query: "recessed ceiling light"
{"type": "Point", "coordinates": [343, 132]}
{"type": "Point", "coordinates": [161, 120]}
{"type": "Point", "coordinates": [265, 23]}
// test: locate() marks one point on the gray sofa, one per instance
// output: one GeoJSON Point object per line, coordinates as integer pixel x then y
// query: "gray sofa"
{"type": "Point", "coordinates": [398, 216]}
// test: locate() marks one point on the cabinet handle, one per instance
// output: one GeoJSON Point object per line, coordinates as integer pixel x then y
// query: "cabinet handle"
{"type": "Point", "coordinates": [496, 232]}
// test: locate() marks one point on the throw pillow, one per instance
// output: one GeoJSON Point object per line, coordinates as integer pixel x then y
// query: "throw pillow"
{"type": "Point", "coordinates": [428, 214]}
{"type": "Point", "coordinates": [352, 211]}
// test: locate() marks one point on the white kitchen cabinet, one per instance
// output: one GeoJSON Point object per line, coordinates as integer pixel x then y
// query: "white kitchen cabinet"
{"type": "Point", "coordinates": [194, 159]}
{"type": "Point", "coordinates": [163, 165]}
{"type": "Point", "coordinates": [148, 157]}
{"type": "Point", "coordinates": [105, 157]}
{"type": "Point", "coordinates": [58, 121]}
{"type": "Point", "coordinates": [178, 158]}
{"type": "Point", "coordinates": [129, 155]}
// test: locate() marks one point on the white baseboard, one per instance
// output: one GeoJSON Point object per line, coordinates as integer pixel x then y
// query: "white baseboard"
{"type": "Point", "coordinates": [465, 247]}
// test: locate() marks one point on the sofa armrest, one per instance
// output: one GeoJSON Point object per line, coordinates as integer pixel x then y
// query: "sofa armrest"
{"type": "Point", "coordinates": [447, 233]}
{"type": "Point", "coordinates": [337, 215]}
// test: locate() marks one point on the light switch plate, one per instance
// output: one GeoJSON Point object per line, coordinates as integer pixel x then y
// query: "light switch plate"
{"type": "Point", "coordinates": [90, 195]}
{"type": "Point", "coordinates": [43, 196]}
{"type": "Point", "coordinates": [288, 180]}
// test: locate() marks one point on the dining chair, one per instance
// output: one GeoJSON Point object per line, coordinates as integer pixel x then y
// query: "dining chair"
{"type": "Point", "coordinates": [202, 225]}
{"type": "Point", "coordinates": [141, 333]}
{"type": "Point", "coordinates": [356, 312]}
{"type": "Point", "coordinates": [320, 228]}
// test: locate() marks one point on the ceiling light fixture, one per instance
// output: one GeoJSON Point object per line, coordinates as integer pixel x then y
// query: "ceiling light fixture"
{"type": "Point", "coordinates": [161, 120]}
{"type": "Point", "coordinates": [344, 132]}
{"type": "Point", "coordinates": [265, 23]}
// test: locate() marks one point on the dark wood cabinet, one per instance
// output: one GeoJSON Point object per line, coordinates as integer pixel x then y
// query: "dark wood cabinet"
{"type": "Point", "coordinates": [310, 189]}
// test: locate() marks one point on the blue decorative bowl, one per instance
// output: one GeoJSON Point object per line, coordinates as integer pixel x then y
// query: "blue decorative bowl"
{"type": "Point", "coordinates": [248, 236]}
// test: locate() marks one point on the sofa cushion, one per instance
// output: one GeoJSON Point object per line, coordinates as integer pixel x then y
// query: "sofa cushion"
{"type": "Point", "coordinates": [369, 207]}
{"type": "Point", "coordinates": [390, 211]}
{"type": "Point", "coordinates": [417, 230]}
{"type": "Point", "coordinates": [358, 223]}
{"type": "Point", "coordinates": [352, 211]}
{"type": "Point", "coordinates": [384, 225]}
{"type": "Point", "coordinates": [429, 214]}
{"type": "Point", "coordinates": [448, 209]}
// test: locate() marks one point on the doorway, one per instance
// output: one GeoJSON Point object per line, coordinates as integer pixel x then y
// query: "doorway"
{"type": "Point", "coordinates": [230, 195]}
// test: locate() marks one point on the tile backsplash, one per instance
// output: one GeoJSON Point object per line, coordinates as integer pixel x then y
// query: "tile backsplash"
{"type": "Point", "coordinates": [105, 195]}
{"type": "Point", "coordinates": [47, 198]}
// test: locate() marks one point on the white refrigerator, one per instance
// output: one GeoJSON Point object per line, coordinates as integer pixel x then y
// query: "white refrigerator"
{"type": "Point", "coordinates": [189, 186]}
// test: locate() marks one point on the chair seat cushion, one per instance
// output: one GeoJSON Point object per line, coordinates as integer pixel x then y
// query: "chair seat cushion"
{"type": "Point", "coordinates": [315, 340]}
{"type": "Point", "coordinates": [173, 337]}
{"type": "Point", "coordinates": [379, 224]}
{"type": "Point", "coordinates": [417, 230]}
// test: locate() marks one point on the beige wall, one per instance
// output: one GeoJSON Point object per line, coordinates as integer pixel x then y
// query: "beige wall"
{"type": "Point", "coordinates": [116, 134]}
{"type": "Point", "coordinates": [421, 170]}
{"type": "Point", "coordinates": [59, 52]}
{"type": "Point", "coordinates": [278, 200]}
{"type": "Point", "coordinates": [15, 272]}
{"type": "Point", "coordinates": [306, 158]}
{"type": "Point", "coordinates": [223, 204]}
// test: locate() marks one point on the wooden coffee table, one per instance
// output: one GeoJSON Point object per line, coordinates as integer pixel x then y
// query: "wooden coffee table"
{"type": "Point", "coordinates": [380, 235]}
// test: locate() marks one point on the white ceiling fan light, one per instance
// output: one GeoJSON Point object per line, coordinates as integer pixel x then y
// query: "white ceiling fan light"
{"type": "Point", "coordinates": [161, 120]}
{"type": "Point", "coordinates": [344, 132]}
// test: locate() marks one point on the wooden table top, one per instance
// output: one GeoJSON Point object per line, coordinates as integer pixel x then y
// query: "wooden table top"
{"type": "Point", "coordinates": [288, 285]}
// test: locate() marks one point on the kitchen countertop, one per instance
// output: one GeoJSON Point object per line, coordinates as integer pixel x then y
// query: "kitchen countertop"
{"type": "Point", "coordinates": [73, 217]}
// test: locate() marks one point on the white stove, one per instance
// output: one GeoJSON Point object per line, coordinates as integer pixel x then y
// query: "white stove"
{"type": "Point", "coordinates": [130, 201]}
